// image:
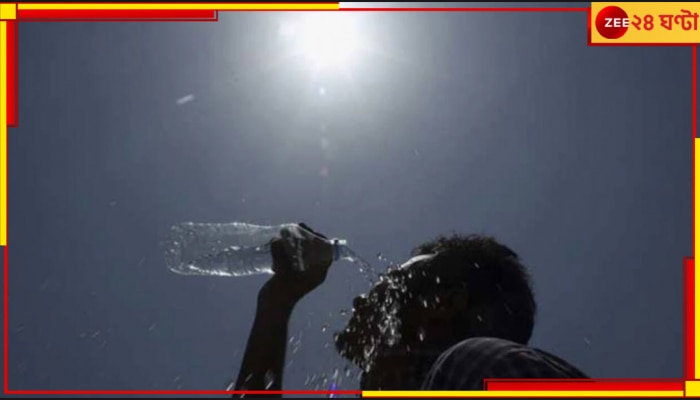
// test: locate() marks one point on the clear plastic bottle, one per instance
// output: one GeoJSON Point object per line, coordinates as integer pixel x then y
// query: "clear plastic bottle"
{"type": "Point", "coordinates": [231, 249]}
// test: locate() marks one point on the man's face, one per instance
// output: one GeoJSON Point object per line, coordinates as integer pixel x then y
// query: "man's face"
{"type": "Point", "coordinates": [376, 321]}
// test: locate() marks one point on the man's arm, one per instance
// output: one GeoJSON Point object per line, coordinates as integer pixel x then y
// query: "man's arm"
{"type": "Point", "coordinates": [263, 362]}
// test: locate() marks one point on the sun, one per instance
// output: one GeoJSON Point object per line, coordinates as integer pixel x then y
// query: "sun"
{"type": "Point", "coordinates": [324, 39]}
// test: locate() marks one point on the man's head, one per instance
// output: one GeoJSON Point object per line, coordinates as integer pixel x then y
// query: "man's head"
{"type": "Point", "coordinates": [453, 288]}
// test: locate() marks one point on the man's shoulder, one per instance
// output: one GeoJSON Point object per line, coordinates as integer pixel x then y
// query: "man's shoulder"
{"type": "Point", "coordinates": [465, 365]}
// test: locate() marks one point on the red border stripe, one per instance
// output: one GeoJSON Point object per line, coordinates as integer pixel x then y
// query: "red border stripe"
{"type": "Point", "coordinates": [592, 385]}
{"type": "Point", "coordinates": [56, 15]}
{"type": "Point", "coordinates": [11, 99]}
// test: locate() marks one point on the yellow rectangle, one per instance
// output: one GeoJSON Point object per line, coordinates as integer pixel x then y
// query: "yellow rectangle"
{"type": "Point", "coordinates": [8, 11]}
{"type": "Point", "coordinates": [3, 133]}
{"type": "Point", "coordinates": [692, 389]}
{"type": "Point", "coordinates": [539, 393]}
{"type": "Point", "coordinates": [178, 6]}
{"type": "Point", "coordinates": [647, 23]}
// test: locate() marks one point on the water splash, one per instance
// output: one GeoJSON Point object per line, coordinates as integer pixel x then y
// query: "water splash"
{"type": "Point", "coordinates": [269, 379]}
{"type": "Point", "coordinates": [185, 99]}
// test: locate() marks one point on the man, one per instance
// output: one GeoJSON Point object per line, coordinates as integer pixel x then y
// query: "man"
{"type": "Point", "coordinates": [461, 310]}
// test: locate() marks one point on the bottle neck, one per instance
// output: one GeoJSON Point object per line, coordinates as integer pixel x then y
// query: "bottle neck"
{"type": "Point", "coordinates": [336, 249]}
{"type": "Point", "coordinates": [339, 249]}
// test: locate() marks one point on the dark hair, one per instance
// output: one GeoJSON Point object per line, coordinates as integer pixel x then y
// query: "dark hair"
{"type": "Point", "coordinates": [497, 285]}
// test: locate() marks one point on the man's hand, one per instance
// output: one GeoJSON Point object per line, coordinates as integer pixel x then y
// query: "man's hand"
{"type": "Point", "coordinates": [301, 259]}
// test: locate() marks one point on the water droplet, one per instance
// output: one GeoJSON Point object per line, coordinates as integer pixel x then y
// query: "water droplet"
{"type": "Point", "coordinates": [343, 312]}
{"type": "Point", "coordinates": [269, 379]}
{"type": "Point", "coordinates": [478, 317]}
{"type": "Point", "coordinates": [476, 265]}
{"type": "Point", "coordinates": [324, 328]}
{"type": "Point", "coordinates": [508, 309]}
{"type": "Point", "coordinates": [437, 280]}
{"type": "Point", "coordinates": [587, 341]}
{"type": "Point", "coordinates": [230, 385]}
{"type": "Point", "coordinates": [425, 303]}
{"type": "Point", "coordinates": [153, 326]}
{"type": "Point", "coordinates": [421, 334]}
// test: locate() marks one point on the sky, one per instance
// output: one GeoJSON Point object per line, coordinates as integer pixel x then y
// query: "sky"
{"type": "Point", "coordinates": [507, 124]}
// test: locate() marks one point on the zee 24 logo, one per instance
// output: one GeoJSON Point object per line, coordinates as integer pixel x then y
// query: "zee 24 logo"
{"type": "Point", "coordinates": [612, 22]}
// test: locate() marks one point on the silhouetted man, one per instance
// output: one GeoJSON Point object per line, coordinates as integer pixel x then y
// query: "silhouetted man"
{"type": "Point", "coordinates": [461, 310]}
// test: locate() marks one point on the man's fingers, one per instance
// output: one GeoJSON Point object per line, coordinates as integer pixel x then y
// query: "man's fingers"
{"type": "Point", "coordinates": [303, 225]}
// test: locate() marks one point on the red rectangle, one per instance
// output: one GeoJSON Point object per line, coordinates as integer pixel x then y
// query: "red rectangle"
{"type": "Point", "coordinates": [587, 385]}
{"type": "Point", "coordinates": [11, 99]}
{"type": "Point", "coordinates": [116, 15]}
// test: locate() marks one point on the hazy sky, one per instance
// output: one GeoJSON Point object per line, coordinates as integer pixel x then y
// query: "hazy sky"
{"type": "Point", "coordinates": [508, 124]}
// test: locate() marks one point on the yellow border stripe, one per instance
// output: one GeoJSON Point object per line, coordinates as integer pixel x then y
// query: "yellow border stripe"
{"type": "Point", "coordinates": [696, 184]}
{"type": "Point", "coordinates": [534, 393]}
{"type": "Point", "coordinates": [3, 133]}
{"type": "Point", "coordinates": [178, 6]}
{"type": "Point", "coordinates": [692, 389]}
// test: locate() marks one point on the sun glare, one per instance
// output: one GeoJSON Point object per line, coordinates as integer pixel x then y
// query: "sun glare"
{"type": "Point", "coordinates": [324, 39]}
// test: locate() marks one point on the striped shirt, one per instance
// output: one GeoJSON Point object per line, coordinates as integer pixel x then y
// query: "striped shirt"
{"type": "Point", "coordinates": [467, 364]}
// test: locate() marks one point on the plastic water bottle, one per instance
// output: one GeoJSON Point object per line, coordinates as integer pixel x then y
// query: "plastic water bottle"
{"type": "Point", "coordinates": [232, 249]}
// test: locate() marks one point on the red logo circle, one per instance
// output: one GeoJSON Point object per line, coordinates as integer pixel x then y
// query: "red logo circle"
{"type": "Point", "coordinates": [612, 22]}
